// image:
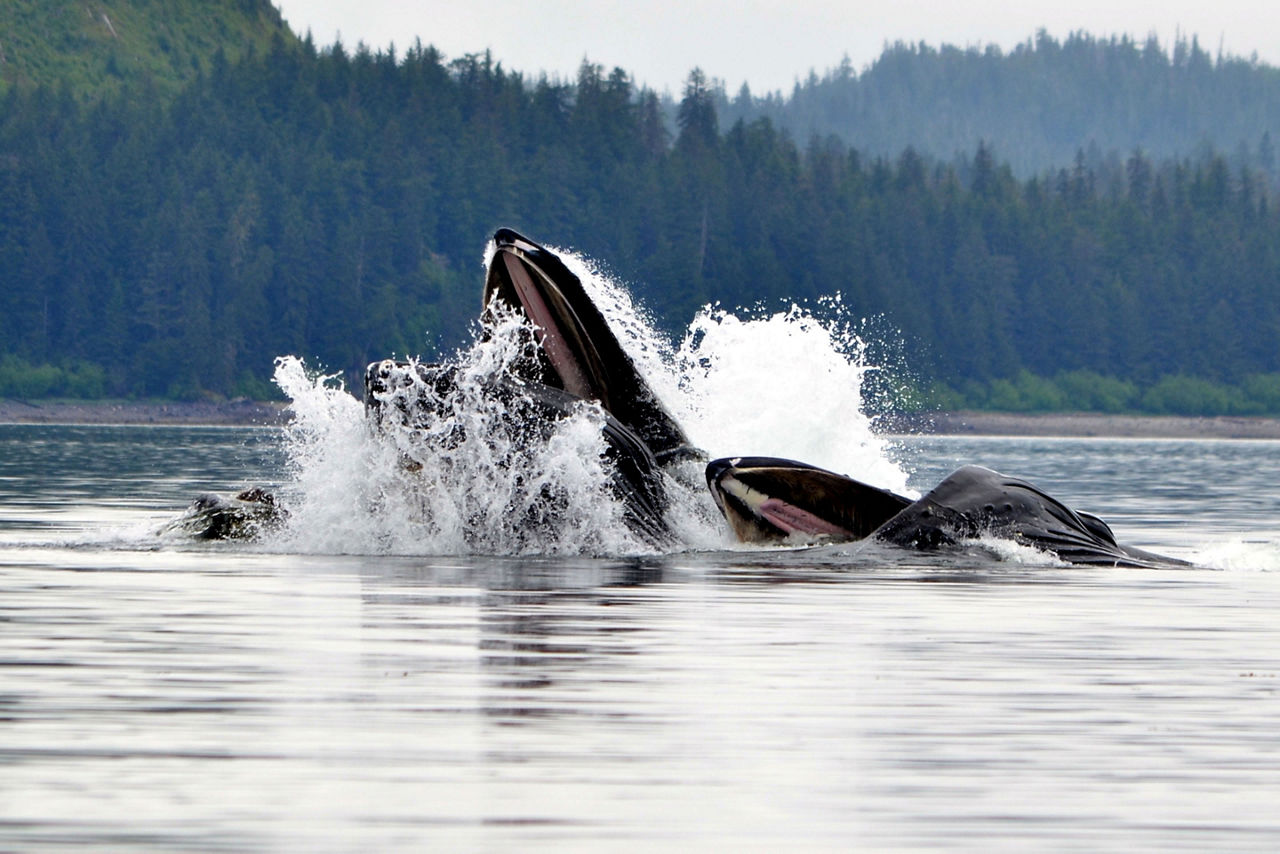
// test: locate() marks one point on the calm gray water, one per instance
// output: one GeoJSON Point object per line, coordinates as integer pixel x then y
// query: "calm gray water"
{"type": "Point", "coordinates": [158, 696]}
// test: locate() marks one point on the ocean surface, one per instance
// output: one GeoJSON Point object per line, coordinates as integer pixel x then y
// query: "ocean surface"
{"type": "Point", "coordinates": [337, 689]}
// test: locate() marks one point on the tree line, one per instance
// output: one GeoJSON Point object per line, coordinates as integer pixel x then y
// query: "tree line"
{"type": "Point", "coordinates": [335, 204]}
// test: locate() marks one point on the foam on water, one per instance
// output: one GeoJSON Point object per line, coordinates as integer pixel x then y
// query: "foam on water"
{"type": "Point", "coordinates": [1009, 551]}
{"type": "Point", "coordinates": [1238, 554]}
{"type": "Point", "coordinates": [471, 479]}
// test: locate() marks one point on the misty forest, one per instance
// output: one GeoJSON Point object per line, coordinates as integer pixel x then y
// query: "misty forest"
{"type": "Point", "coordinates": [1088, 224]}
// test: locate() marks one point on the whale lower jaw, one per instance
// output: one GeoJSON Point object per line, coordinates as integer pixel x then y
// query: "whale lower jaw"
{"type": "Point", "coordinates": [769, 499]}
{"type": "Point", "coordinates": [756, 517]}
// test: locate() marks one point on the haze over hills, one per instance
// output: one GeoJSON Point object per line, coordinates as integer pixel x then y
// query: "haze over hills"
{"type": "Point", "coordinates": [332, 203]}
{"type": "Point", "coordinates": [1039, 104]}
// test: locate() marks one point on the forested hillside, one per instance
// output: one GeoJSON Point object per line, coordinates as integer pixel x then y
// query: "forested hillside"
{"type": "Point", "coordinates": [335, 205]}
{"type": "Point", "coordinates": [1039, 103]}
{"type": "Point", "coordinates": [91, 47]}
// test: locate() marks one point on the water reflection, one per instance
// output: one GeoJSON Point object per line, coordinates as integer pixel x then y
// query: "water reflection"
{"type": "Point", "coordinates": [829, 698]}
{"type": "Point", "coordinates": [336, 702]}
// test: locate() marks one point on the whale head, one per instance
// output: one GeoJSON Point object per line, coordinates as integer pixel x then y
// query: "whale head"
{"type": "Point", "coordinates": [767, 499]}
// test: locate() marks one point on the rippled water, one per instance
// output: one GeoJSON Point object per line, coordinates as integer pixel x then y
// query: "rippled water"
{"type": "Point", "coordinates": [160, 695]}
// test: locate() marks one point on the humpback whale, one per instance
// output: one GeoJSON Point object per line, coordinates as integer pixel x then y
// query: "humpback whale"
{"type": "Point", "coordinates": [216, 517]}
{"type": "Point", "coordinates": [767, 499]}
{"type": "Point", "coordinates": [408, 395]}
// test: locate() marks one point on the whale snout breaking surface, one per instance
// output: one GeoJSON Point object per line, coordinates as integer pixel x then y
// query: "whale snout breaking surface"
{"type": "Point", "coordinates": [575, 362]}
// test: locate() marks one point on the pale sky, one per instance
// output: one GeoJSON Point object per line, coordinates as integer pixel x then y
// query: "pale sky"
{"type": "Point", "coordinates": [767, 43]}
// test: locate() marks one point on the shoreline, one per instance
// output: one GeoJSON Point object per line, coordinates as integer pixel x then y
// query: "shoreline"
{"type": "Point", "coordinates": [1088, 425]}
{"type": "Point", "coordinates": [252, 413]}
{"type": "Point", "coordinates": [233, 413]}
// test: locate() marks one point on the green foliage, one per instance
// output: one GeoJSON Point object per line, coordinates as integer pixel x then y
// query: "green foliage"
{"type": "Point", "coordinates": [1091, 392]}
{"type": "Point", "coordinates": [100, 47]}
{"type": "Point", "coordinates": [1263, 392]}
{"type": "Point", "coordinates": [1183, 395]}
{"type": "Point", "coordinates": [941, 397]}
{"type": "Point", "coordinates": [1025, 393]}
{"type": "Point", "coordinates": [254, 388]}
{"type": "Point", "coordinates": [21, 379]}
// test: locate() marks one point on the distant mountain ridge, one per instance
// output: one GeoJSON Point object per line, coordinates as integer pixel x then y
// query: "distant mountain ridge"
{"type": "Point", "coordinates": [1038, 105]}
{"type": "Point", "coordinates": [97, 46]}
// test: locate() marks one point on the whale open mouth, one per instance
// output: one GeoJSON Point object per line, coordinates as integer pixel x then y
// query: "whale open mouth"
{"type": "Point", "coordinates": [579, 352]}
{"type": "Point", "coordinates": [524, 276]}
{"type": "Point", "coordinates": [767, 499]}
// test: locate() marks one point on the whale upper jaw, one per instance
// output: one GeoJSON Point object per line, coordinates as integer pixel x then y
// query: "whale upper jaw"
{"type": "Point", "coordinates": [527, 278]}
{"type": "Point", "coordinates": [578, 351]}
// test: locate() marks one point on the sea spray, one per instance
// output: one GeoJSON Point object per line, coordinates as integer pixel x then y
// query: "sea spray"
{"type": "Point", "coordinates": [787, 384]}
{"type": "Point", "coordinates": [467, 476]}
{"type": "Point", "coordinates": [466, 473]}
{"type": "Point", "coordinates": [332, 462]}
{"type": "Point", "coordinates": [1238, 554]}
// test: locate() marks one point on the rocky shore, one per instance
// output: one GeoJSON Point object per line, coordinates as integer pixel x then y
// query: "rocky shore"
{"type": "Point", "coordinates": [250, 412]}
{"type": "Point", "coordinates": [232, 412]}
{"type": "Point", "coordinates": [1085, 424]}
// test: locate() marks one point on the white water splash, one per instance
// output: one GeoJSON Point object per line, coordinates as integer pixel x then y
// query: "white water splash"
{"type": "Point", "coordinates": [1249, 555]}
{"type": "Point", "coordinates": [463, 479]}
{"type": "Point", "coordinates": [470, 481]}
{"type": "Point", "coordinates": [1011, 551]}
{"type": "Point", "coordinates": [785, 385]}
